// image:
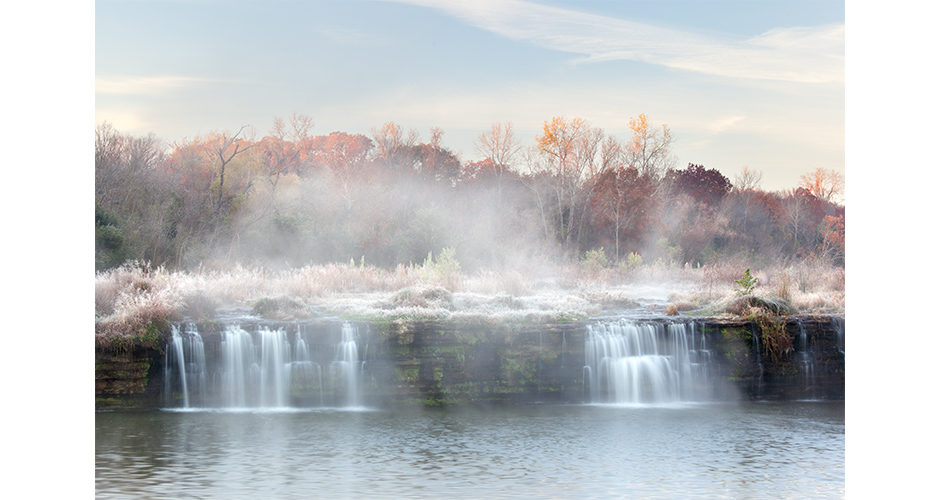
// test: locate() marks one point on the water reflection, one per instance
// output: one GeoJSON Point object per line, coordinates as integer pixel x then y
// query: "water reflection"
{"type": "Point", "coordinates": [722, 451]}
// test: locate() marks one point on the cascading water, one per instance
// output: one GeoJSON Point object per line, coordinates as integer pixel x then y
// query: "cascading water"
{"type": "Point", "coordinates": [185, 365]}
{"type": "Point", "coordinates": [347, 365]}
{"type": "Point", "coordinates": [807, 363]}
{"type": "Point", "coordinates": [265, 368]}
{"type": "Point", "coordinates": [629, 362]}
{"type": "Point", "coordinates": [304, 372]}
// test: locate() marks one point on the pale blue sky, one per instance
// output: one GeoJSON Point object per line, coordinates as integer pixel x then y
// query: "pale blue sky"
{"type": "Point", "coordinates": [755, 83]}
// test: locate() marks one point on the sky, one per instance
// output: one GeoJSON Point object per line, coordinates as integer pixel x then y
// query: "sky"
{"type": "Point", "coordinates": [756, 83]}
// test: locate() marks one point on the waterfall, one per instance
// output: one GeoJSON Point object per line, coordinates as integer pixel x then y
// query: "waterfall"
{"type": "Point", "coordinates": [631, 362]}
{"type": "Point", "coordinates": [256, 369]}
{"type": "Point", "coordinates": [347, 365]}
{"type": "Point", "coordinates": [262, 367]}
{"type": "Point", "coordinates": [275, 368]}
{"type": "Point", "coordinates": [185, 358]}
{"type": "Point", "coordinates": [303, 371]}
{"type": "Point", "coordinates": [238, 366]}
{"type": "Point", "coordinates": [760, 363]}
{"type": "Point", "coordinates": [807, 362]}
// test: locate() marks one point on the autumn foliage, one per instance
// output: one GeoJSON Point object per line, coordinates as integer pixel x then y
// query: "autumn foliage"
{"type": "Point", "coordinates": [291, 198]}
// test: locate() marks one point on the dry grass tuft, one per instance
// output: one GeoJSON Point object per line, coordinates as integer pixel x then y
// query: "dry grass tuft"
{"type": "Point", "coordinates": [281, 308]}
{"type": "Point", "coordinates": [424, 297]}
{"type": "Point", "coordinates": [752, 305]}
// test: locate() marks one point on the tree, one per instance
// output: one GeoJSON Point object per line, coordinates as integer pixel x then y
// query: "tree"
{"type": "Point", "coordinates": [132, 197]}
{"type": "Point", "coordinates": [394, 149]}
{"type": "Point", "coordinates": [624, 200]}
{"type": "Point", "coordinates": [798, 213]}
{"type": "Point", "coordinates": [827, 185]}
{"type": "Point", "coordinates": [287, 148]}
{"type": "Point", "coordinates": [833, 233]}
{"type": "Point", "coordinates": [748, 180]}
{"type": "Point", "coordinates": [569, 148]}
{"type": "Point", "coordinates": [434, 162]}
{"type": "Point", "coordinates": [345, 156]}
{"type": "Point", "coordinates": [222, 148]}
{"type": "Point", "coordinates": [706, 186]}
{"type": "Point", "coordinates": [649, 149]}
{"type": "Point", "coordinates": [499, 147]}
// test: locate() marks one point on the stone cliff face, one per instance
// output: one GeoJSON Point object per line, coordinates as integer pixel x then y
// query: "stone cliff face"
{"type": "Point", "coordinates": [129, 378]}
{"type": "Point", "coordinates": [806, 361]}
{"type": "Point", "coordinates": [445, 363]}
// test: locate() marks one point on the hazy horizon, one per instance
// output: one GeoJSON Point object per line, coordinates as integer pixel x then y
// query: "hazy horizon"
{"type": "Point", "coordinates": [757, 84]}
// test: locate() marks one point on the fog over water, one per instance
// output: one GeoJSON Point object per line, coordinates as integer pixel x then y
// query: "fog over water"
{"type": "Point", "coordinates": [772, 450]}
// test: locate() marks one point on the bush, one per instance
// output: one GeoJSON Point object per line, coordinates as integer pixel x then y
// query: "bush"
{"type": "Point", "coordinates": [634, 259]}
{"type": "Point", "coordinates": [433, 297]}
{"type": "Point", "coordinates": [447, 268]}
{"type": "Point", "coordinates": [594, 260]}
{"type": "Point", "coordinates": [750, 305]}
{"type": "Point", "coordinates": [281, 308]}
{"type": "Point", "coordinates": [199, 305]}
{"type": "Point", "coordinates": [747, 282]}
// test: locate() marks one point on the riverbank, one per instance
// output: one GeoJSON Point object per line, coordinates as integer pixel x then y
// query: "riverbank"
{"type": "Point", "coordinates": [133, 299]}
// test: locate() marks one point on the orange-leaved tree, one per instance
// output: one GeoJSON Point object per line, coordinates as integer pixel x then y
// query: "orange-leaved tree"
{"type": "Point", "coordinates": [570, 148]}
{"type": "Point", "coordinates": [649, 149]}
{"type": "Point", "coordinates": [827, 185]}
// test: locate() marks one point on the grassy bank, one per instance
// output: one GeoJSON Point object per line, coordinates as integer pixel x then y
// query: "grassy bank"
{"type": "Point", "coordinates": [135, 299]}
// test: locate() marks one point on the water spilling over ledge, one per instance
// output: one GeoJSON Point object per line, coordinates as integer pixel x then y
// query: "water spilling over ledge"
{"type": "Point", "coordinates": [243, 362]}
{"type": "Point", "coordinates": [630, 362]}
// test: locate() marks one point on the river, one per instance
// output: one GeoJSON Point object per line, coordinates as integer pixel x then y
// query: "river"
{"type": "Point", "coordinates": [747, 450]}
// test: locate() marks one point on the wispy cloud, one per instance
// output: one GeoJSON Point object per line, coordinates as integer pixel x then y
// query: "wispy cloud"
{"type": "Point", "coordinates": [144, 85]}
{"type": "Point", "coordinates": [723, 124]}
{"type": "Point", "coordinates": [801, 54]}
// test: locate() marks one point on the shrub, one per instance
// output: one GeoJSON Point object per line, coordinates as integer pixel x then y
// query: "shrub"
{"type": "Point", "coordinates": [750, 305]}
{"type": "Point", "coordinates": [594, 260]}
{"type": "Point", "coordinates": [447, 268]}
{"type": "Point", "coordinates": [281, 308]}
{"type": "Point", "coordinates": [199, 305]}
{"type": "Point", "coordinates": [747, 282]}
{"type": "Point", "coordinates": [634, 259]}
{"type": "Point", "coordinates": [433, 297]}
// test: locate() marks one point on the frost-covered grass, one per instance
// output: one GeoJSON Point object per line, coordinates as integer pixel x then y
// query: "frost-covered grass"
{"type": "Point", "coordinates": [131, 298]}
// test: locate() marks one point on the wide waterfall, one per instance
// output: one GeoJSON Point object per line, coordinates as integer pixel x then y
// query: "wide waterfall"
{"type": "Point", "coordinates": [629, 362]}
{"type": "Point", "coordinates": [262, 367]}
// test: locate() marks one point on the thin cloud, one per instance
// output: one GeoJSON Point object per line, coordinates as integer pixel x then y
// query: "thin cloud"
{"type": "Point", "coordinates": [723, 124]}
{"type": "Point", "coordinates": [144, 85]}
{"type": "Point", "coordinates": [801, 54]}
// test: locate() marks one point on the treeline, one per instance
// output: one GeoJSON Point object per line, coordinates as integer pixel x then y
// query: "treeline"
{"type": "Point", "coordinates": [292, 198]}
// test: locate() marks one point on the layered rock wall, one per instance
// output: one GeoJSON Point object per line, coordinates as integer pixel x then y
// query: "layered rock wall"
{"type": "Point", "coordinates": [446, 363]}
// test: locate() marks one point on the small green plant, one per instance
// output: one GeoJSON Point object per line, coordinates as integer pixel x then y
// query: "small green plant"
{"type": "Point", "coordinates": [594, 260]}
{"type": "Point", "coordinates": [748, 283]}
{"type": "Point", "coordinates": [445, 269]}
{"type": "Point", "coordinates": [634, 259]}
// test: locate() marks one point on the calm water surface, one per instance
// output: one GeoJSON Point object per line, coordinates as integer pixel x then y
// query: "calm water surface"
{"type": "Point", "coordinates": [735, 451]}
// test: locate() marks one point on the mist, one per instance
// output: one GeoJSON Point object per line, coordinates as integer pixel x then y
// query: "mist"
{"type": "Point", "coordinates": [577, 224]}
